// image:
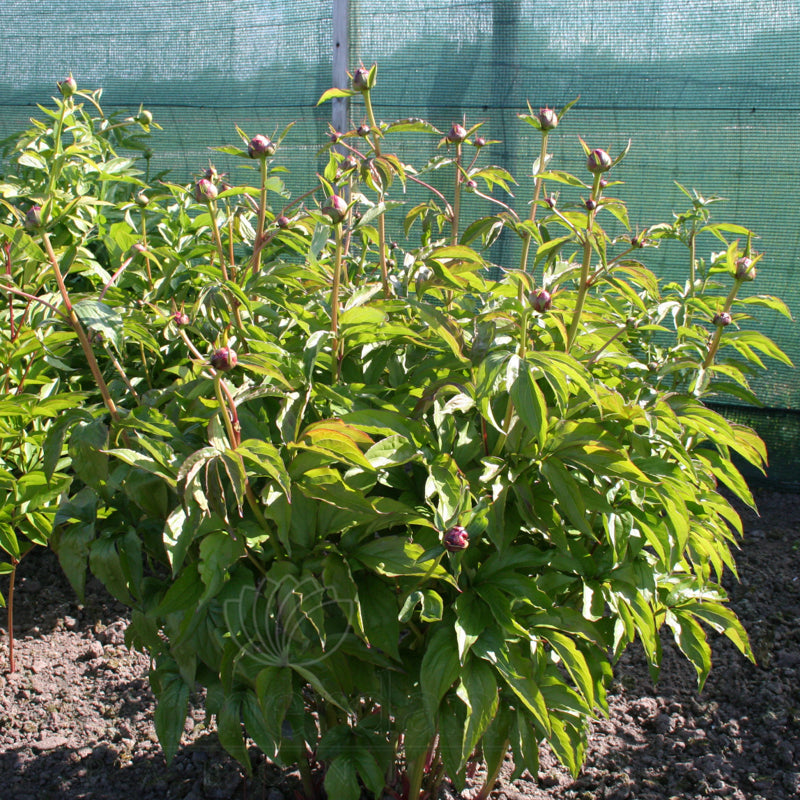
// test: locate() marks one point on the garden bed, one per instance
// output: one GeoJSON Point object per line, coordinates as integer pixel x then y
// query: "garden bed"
{"type": "Point", "coordinates": [76, 718]}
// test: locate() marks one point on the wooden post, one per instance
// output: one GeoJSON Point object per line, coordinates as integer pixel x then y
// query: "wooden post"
{"type": "Point", "coordinates": [341, 58]}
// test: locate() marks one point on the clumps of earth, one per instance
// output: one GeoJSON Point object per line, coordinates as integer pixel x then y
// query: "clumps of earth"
{"type": "Point", "coordinates": [76, 717]}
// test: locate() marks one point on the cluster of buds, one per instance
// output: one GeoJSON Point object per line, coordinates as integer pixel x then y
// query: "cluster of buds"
{"type": "Point", "coordinates": [261, 147]}
{"type": "Point", "coordinates": [224, 359]}
{"type": "Point", "coordinates": [456, 539]}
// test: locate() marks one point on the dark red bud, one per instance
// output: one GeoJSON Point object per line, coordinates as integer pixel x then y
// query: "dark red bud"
{"type": "Point", "coordinates": [204, 190]}
{"type": "Point", "coordinates": [363, 130]}
{"type": "Point", "coordinates": [351, 162]}
{"type": "Point", "coordinates": [211, 174]}
{"type": "Point", "coordinates": [260, 147]}
{"type": "Point", "coordinates": [591, 204]}
{"type": "Point", "coordinates": [603, 183]}
{"type": "Point", "coordinates": [638, 241]}
{"type": "Point", "coordinates": [551, 200]}
{"type": "Point", "coordinates": [67, 87]}
{"type": "Point", "coordinates": [541, 300]}
{"type": "Point", "coordinates": [393, 245]}
{"type": "Point", "coordinates": [456, 539]}
{"type": "Point", "coordinates": [33, 219]}
{"type": "Point", "coordinates": [282, 222]}
{"type": "Point", "coordinates": [457, 134]}
{"type": "Point", "coordinates": [336, 208]}
{"type": "Point", "coordinates": [471, 184]}
{"type": "Point", "coordinates": [361, 79]}
{"type": "Point", "coordinates": [480, 141]}
{"type": "Point", "coordinates": [224, 359]}
{"type": "Point", "coordinates": [598, 161]}
{"type": "Point", "coordinates": [181, 319]}
{"type": "Point", "coordinates": [335, 136]}
{"type": "Point", "coordinates": [548, 118]}
{"type": "Point", "coordinates": [721, 319]}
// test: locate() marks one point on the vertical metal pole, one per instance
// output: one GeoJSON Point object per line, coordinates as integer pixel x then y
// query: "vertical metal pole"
{"type": "Point", "coordinates": [341, 57]}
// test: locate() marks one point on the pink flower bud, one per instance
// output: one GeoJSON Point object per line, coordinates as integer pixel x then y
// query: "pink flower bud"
{"type": "Point", "coordinates": [363, 130]}
{"type": "Point", "coordinates": [541, 300]}
{"type": "Point", "coordinates": [259, 147]}
{"type": "Point", "coordinates": [282, 222]}
{"type": "Point", "coordinates": [745, 269]}
{"type": "Point", "coordinates": [548, 118]}
{"type": "Point", "coordinates": [457, 134]}
{"type": "Point", "coordinates": [456, 539]}
{"type": "Point", "coordinates": [480, 141]}
{"type": "Point", "coordinates": [336, 209]}
{"type": "Point", "coordinates": [67, 87]}
{"type": "Point", "coordinates": [224, 359]}
{"type": "Point", "coordinates": [204, 191]}
{"type": "Point", "coordinates": [598, 161]}
{"type": "Point", "coordinates": [33, 219]}
{"type": "Point", "coordinates": [361, 79]}
{"type": "Point", "coordinates": [181, 319]}
{"type": "Point", "coordinates": [722, 319]}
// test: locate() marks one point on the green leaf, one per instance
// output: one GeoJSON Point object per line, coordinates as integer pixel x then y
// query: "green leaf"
{"type": "Point", "coordinates": [331, 94]}
{"type": "Point", "coordinates": [691, 639]}
{"type": "Point", "coordinates": [274, 691]}
{"type": "Point", "coordinates": [567, 492]}
{"type": "Point", "coordinates": [439, 669]}
{"type": "Point", "coordinates": [100, 318]}
{"type": "Point", "coordinates": [341, 780]}
{"type": "Point", "coordinates": [478, 691]}
{"type": "Point", "coordinates": [172, 705]}
{"type": "Point", "coordinates": [395, 556]}
{"type": "Point", "coordinates": [229, 730]}
{"type": "Point", "coordinates": [530, 404]}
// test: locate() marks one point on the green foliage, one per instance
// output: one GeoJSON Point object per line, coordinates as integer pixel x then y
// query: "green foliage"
{"type": "Point", "coordinates": [396, 506]}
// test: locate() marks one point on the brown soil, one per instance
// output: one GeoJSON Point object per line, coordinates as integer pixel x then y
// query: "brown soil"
{"type": "Point", "coordinates": [76, 716]}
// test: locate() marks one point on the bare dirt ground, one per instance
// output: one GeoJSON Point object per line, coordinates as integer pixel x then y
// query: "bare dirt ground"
{"type": "Point", "coordinates": [76, 716]}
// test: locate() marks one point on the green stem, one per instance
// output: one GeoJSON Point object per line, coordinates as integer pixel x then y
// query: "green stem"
{"type": "Point", "coordinates": [11, 665]}
{"type": "Point", "coordinates": [376, 146]}
{"type": "Point", "coordinates": [416, 773]}
{"type": "Point", "coordinates": [583, 287]}
{"type": "Point", "coordinates": [486, 789]}
{"type": "Point", "coordinates": [597, 353]}
{"type": "Point", "coordinates": [145, 254]}
{"type": "Point", "coordinates": [456, 197]}
{"type": "Point", "coordinates": [262, 212]}
{"type": "Point", "coordinates": [76, 325]}
{"type": "Point", "coordinates": [57, 134]}
{"type": "Point", "coordinates": [714, 346]}
{"type": "Point", "coordinates": [212, 212]}
{"type": "Point", "coordinates": [337, 276]}
{"type": "Point", "coordinates": [537, 188]}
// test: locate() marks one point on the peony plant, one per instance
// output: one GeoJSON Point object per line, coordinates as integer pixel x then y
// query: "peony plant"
{"type": "Point", "coordinates": [397, 508]}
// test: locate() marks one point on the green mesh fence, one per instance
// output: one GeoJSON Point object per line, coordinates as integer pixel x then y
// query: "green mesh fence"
{"type": "Point", "coordinates": [708, 90]}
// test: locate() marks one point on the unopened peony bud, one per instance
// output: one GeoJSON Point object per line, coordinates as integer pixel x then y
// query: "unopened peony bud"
{"type": "Point", "coordinates": [68, 86]}
{"type": "Point", "coordinates": [282, 222]}
{"type": "Point", "coordinates": [224, 359]}
{"type": "Point", "coordinates": [142, 200]}
{"type": "Point", "coordinates": [336, 209]}
{"type": "Point", "coordinates": [363, 130]}
{"type": "Point", "coordinates": [33, 219]}
{"type": "Point", "coordinates": [204, 190]}
{"type": "Point", "coordinates": [541, 300]}
{"type": "Point", "coordinates": [548, 118]}
{"type": "Point", "coordinates": [598, 161]}
{"type": "Point", "coordinates": [144, 117]}
{"type": "Point", "coordinates": [591, 204]}
{"type": "Point", "coordinates": [722, 319]}
{"type": "Point", "coordinates": [456, 539]}
{"type": "Point", "coordinates": [480, 141]}
{"type": "Point", "coordinates": [361, 79]}
{"type": "Point", "coordinates": [181, 319]}
{"type": "Point", "coordinates": [472, 185]}
{"type": "Point", "coordinates": [260, 147]}
{"type": "Point", "coordinates": [745, 269]}
{"type": "Point", "coordinates": [457, 134]}
{"type": "Point", "coordinates": [551, 200]}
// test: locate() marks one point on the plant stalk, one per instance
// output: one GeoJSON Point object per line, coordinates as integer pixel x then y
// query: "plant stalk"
{"type": "Point", "coordinates": [537, 188]}
{"type": "Point", "coordinates": [456, 198]}
{"type": "Point", "coordinates": [76, 325]}
{"type": "Point", "coordinates": [337, 277]}
{"type": "Point", "coordinates": [376, 146]}
{"type": "Point", "coordinates": [11, 662]}
{"type": "Point", "coordinates": [262, 212]}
